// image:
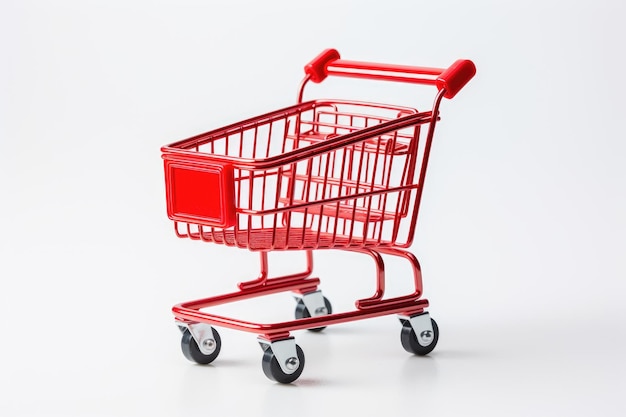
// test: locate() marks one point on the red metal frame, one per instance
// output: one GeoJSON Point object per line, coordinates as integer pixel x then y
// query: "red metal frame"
{"type": "Point", "coordinates": [322, 174]}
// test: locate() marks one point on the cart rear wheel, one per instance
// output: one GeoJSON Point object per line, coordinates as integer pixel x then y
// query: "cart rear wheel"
{"type": "Point", "coordinates": [410, 342]}
{"type": "Point", "coordinates": [194, 354]}
{"type": "Point", "coordinates": [272, 369]}
{"type": "Point", "coordinates": [302, 312]}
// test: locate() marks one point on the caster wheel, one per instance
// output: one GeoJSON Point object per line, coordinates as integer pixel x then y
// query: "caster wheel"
{"type": "Point", "coordinates": [302, 312]}
{"type": "Point", "coordinates": [273, 371]}
{"type": "Point", "coordinates": [194, 354]}
{"type": "Point", "coordinates": [410, 342]}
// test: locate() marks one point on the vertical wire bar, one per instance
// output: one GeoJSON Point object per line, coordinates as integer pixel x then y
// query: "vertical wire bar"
{"type": "Point", "coordinates": [351, 151]}
{"type": "Point", "coordinates": [350, 161]}
{"type": "Point", "coordinates": [386, 186]}
{"type": "Point", "coordinates": [398, 214]}
{"type": "Point", "coordinates": [305, 184]}
{"type": "Point", "coordinates": [249, 222]}
{"type": "Point", "coordinates": [269, 139]}
{"type": "Point", "coordinates": [306, 192]}
{"type": "Point", "coordinates": [279, 178]}
{"type": "Point", "coordinates": [241, 177]}
{"type": "Point", "coordinates": [346, 192]}
{"type": "Point", "coordinates": [241, 132]}
{"type": "Point", "coordinates": [251, 175]}
{"type": "Point", "coordinates": [330, 193]}
{"type": "Point", "coordinates": [317, 183]}
{"type": "Point", "coordinates": [339, 190]}
{"type": "Point", "coordinates": [250, 199]}
{"type": "Point", "coordinates": [383, 177]}
{"type": "Point", "coordinates": [369, 205]}
{"type": "Point", "coordinates": [237, 174]}
{"type": "Point", "coordinates": [265, 174]}
{"type": "Point", "coordinates": [290, 185]}
{"type": "Point", "coordinates": [356, 191]}
{"type": "Point", "coordinates": [411, 153]}
{"type": "Point", "coordinates": [336, 219]}
{"type": "Point", "coordinates": [364, 146]}
{"type": "Point", "coordinates": [319, 226]}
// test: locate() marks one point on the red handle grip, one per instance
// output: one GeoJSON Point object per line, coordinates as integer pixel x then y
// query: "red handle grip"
{"type": "Point", "coordinates": [452, 79]}
{"type": "Point", "coordinates": [317, 68]}
{"type": "Point", "coordinates": [455, 77]}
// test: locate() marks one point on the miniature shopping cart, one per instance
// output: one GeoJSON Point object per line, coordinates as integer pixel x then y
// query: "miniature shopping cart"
{"type": "Point", "coordinates": [321, 174]}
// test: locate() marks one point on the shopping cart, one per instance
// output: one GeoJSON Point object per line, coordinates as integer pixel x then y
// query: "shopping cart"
{"type": "Point", "coordinates": [321, 174]}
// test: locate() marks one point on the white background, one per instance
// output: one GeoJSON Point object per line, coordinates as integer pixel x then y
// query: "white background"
{"type": "Point", "coordinates": [521, 235]}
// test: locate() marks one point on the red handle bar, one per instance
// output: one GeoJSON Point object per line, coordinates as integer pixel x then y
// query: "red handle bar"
{"type": "Point", "coordinates": [452, 79]}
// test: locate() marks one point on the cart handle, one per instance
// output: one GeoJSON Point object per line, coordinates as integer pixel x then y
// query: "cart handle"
{"type": "Point", "coordinates": [451, 79]}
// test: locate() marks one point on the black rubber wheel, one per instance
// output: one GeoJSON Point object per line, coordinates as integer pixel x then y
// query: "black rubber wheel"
{"type": "Point", "coordinates": [410, 343]}
{"type": "Point", "coordinates": [302, 312]}
{"type": "Point", "coordinates": [192, 351]}
{"type": "Point", "coordinates": [272, 369]}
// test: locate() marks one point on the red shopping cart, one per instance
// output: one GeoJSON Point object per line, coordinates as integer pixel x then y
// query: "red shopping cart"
{"type": "Point", "coordinates": [321, 174]}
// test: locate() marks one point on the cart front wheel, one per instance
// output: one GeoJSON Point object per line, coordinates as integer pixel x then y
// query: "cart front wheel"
{"type": "Point", "coordinates": [410, 341]}
{"type": "Point", "coordinates": [302, 313]}
{"type": "Point", "coordinates": [194, 354]}
{"type": "Point", "coordinates": [273, 371]}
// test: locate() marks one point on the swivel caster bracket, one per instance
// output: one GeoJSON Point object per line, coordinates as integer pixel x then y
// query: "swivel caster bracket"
{"type": "Point", "coordinates": [422, 325]}
{"type": "Point", "coordinates": [285, 353]}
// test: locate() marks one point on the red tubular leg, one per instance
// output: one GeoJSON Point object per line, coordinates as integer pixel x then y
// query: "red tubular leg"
{"type": "Point", "coordinates": [264, 279]}
{"type": "Point", "coordinates": [415, 266]}
{"type": "Point", "coordinates": [380, 278]}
